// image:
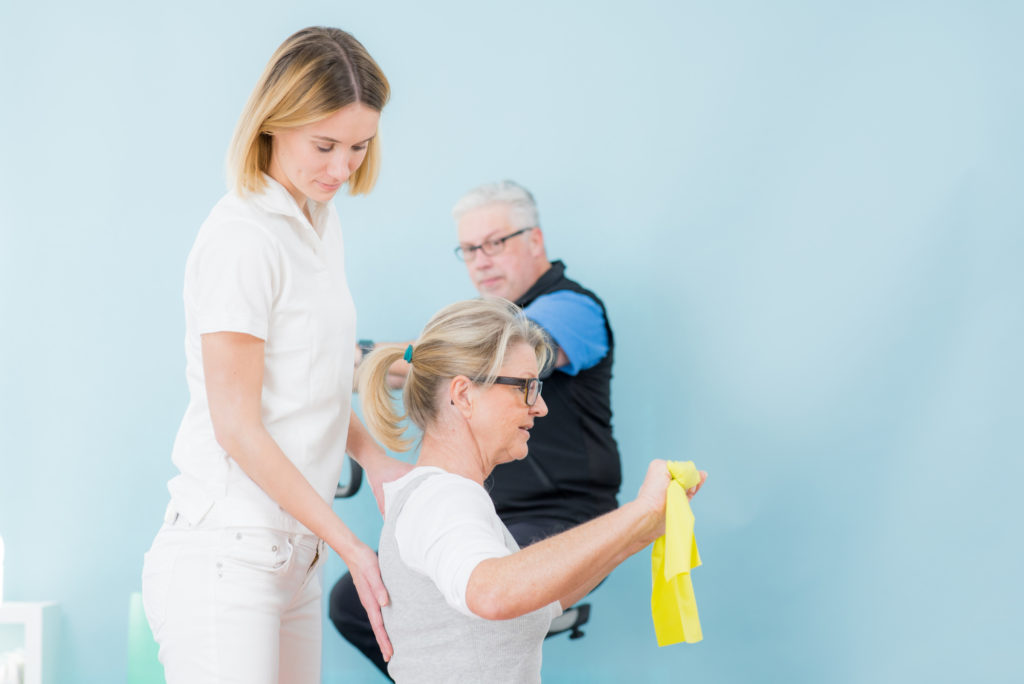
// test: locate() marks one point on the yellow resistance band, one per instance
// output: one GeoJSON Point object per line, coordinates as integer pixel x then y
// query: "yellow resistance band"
{"type": "Point", "coordinates": [673, 605]}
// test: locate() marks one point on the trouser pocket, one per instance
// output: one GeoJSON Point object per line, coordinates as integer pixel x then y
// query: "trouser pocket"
{"type": "Point", "coordinates": [253, 549]}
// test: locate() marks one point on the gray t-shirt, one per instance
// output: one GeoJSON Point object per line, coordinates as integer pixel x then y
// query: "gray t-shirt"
{"type": "Point", "coordinates": [433, 641]}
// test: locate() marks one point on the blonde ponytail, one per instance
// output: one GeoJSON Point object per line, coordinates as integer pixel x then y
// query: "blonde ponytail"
{"type": "Point", "coordinates": [468, 338]}
{"type": "Point", "coordinates": [377, 400]}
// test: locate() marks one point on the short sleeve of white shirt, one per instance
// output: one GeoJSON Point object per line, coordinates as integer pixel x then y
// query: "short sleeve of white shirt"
{"type": "Point", "coordinates": [235, 266]}
{"type": "Point", "coordinates": [447, 527]}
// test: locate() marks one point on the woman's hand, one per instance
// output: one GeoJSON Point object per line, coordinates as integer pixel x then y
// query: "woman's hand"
{"type": "Point", "coordinates": [651, 498]}
{"type": "Point", "coordinates": [692, 491]}
{"type": "Point", "coordinates": [365, 570]}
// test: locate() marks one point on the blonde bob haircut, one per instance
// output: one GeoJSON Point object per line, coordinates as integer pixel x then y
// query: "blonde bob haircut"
{"type": "Point", "coordinates": [468, 338]}
{"type": "Point", "coordinates": [314, 73]}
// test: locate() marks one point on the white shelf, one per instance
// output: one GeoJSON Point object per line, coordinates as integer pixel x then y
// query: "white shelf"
{"type": "Point", "coordinates": [39, 620]}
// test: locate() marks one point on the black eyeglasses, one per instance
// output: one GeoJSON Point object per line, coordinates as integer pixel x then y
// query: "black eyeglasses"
{"type": "Point", "coordinates": [468, 252]}
{"type": "Point", "coordinates": [531, 387]}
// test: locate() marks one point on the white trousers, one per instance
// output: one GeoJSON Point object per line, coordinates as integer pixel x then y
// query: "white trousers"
{"type": "Point", "coordinates": [234, 604]}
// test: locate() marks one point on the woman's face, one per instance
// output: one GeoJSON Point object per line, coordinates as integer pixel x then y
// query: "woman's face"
{"type": "Point", "coordinates": [315, 160]}
{"type": "Point", "coordinates": [502, 420]}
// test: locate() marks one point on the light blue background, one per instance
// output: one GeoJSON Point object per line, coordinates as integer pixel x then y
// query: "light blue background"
{"type": "Point", "coordinates": [805, 219]}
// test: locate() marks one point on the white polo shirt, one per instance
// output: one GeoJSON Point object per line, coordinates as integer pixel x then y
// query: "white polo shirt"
{"type": "Point", "coordinates": [259, 267]}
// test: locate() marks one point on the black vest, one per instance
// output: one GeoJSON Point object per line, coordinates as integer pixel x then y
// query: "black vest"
{"type": "Point", "coordinates": [572, 471]}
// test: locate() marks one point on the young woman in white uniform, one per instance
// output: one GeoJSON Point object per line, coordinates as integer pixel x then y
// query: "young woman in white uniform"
{"type": "Point", "coordinates": [232, 585]}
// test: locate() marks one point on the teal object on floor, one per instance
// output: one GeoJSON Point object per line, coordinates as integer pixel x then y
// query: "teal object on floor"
{"type": "Point", "coordinates": [143, 665]}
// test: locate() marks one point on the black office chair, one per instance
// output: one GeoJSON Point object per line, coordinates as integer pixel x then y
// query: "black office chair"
{"type": "Point", "coordinates": [569, 621]}
{"type": "Point", "coordinates": [355, 479]}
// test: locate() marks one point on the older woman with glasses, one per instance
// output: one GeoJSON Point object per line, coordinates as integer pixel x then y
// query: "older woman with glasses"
{"type": "Point", "coordinates": [467, 605]}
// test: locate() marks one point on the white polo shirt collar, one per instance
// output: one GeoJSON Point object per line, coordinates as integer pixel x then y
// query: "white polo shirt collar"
{"type": "Point", "coordinates": [276, 199]}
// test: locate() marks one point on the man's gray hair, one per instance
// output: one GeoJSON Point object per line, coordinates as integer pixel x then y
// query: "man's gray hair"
{"type": "Point", "coordinates": [522, 207]}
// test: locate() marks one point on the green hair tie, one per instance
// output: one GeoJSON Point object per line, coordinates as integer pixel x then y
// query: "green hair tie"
{"type": "Point", "coordinates": [408, 354]}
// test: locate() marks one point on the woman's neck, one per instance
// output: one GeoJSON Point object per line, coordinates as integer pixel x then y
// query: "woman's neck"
{"type": "Point", "coordinates": [454, 453]}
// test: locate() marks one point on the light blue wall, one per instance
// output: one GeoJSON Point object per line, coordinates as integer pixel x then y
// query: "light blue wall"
{"type": "Point", "coordinates": [805, 219]}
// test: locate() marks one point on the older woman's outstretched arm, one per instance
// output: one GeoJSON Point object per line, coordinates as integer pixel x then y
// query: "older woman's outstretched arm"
{"type": "Point", "coordinates": [565, 567]}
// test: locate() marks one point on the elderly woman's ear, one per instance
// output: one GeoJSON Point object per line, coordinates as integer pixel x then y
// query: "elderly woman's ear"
{"type": "Point", "coordinates": [459, 395]}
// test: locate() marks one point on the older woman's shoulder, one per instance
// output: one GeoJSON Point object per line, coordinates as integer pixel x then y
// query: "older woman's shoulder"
{"type": "Point", "coordinates": [429, 487]}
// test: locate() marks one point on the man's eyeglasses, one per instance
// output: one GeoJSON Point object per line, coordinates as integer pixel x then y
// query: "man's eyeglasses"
{"type": "Point", "coordinates": [531, 387]}
{"type": "Point", "coordinates": [489, 247]}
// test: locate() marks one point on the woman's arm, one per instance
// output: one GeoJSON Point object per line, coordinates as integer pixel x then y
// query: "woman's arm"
{"type": "Point", "coordinates": [379, 467]}
{"type": "Point", "coordinates": [233, 366]}
{"type": "Point", "coordinates": [557, 567]}
{"type": "Point", "coordinates": [564, 567]}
